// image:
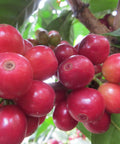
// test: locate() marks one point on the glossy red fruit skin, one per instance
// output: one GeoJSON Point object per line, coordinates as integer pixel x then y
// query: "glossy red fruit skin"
{"type": "Point", "coordinates": [28, 45]}
{"type": "Point", "coordinates": [111, 95]}
{"type": "Point", "coordinates": [60, 95]}
{"type": "Point", "coordinates": [98, 68]}
{"type": "Point", "coordinates": [76, 47]}
{"type": "Point", "coordinates": [99, 126]}
{"type": "Point", "coordinates": [39, 100]}
{"type": "Point", "coordinates": [64, 42]}
{"type": "Point", "coordinates": [111, 68]}
{"type": "Point", "coordinates": [32, 125]}
{"type": "Point", "coordinates": [16, 75]}
{"type": "Point", "coordinates": [13, 125]}
{"type": "Point", "coordinates": [11, 39]}
{"type": "Point", "coordinates": [63, 51]}
{"type": "Point", "coordinates": [85, 104]}
{"type": "Point", "coordinates": [62, 118]}
{"type": "Point", "coordinates": [95, 47]}
{"type": "Point", "coordinates": [76, 72]}
{"type": "Point", "coordinates": [43, 61]}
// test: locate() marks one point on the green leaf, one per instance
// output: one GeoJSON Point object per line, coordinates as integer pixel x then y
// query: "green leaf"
{"type": "Point", "coordinates": [25, 31]}
{"type": "Point", "coordinates": [116, 46]}
{"type": "Point", "coordinates": [15, 12]}
{"type": "Point", "coordinates": [112, 136]}
{"type": "Point", "coordinates": [115, 33]}
{"type": "Point", "coordinates": [81, 127]}
{"type": "Point", "coordinates": [79, 29]}
{"type": "Point", "coordinates": [48, 20]}
{"type": "Point", "coordinates": [45, 15]}
{"type": "Point", "coordinates": [99, 7]}
{"type": "Point", "coordinates": [49, 12]}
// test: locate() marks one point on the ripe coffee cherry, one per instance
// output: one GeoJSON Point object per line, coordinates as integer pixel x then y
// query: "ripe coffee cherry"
{"type": "Point", "coordinates": [99, 126]}
{"type": "Point", "coordinates": [43, 61]}
{"type": "Point", "coordinates": [64, 42]}
{"type": "Point", "coordinates": [10, 39]}
{"type": "Point", "coordinates": [63, 51]}
{"type": "Point", "coordinates": [28, 45]}
{"type": "Point", "coordinates": [111, 95]}
{"type": "Point", "coordinates": [76, 47]}
{"type": "Point", "coordinates": [111, 68]}
{"type": "Point", "coordinates": [39, 100]}
{"type": "Point", "coordinates": [13, 125]}
{"type": "Point", "coordinates": [76, 72]}
{"type": "Point", "coordinates": [16, 75]}
{"type": "Point", "coordinates": [86, 104]}
{"type": "Point", "coordinates": [32, 125]}
{"type": "Point", "coordinates": [60, 95]}
{"type": "Point", "coordinates": [95, 47]}
{"type": "Point", "coordinates": [62, 118]}
{"type": "Point", "coordinates": [98, 70]}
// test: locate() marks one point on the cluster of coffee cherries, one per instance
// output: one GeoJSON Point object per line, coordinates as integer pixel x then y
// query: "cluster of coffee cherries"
{"type": "Point", "coordinates": [87, 88]}
{"type": "Point", "coordinates": [26, 99]}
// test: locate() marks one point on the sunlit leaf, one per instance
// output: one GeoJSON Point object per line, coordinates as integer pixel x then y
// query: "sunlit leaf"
{"type": "Point", "coordinates": [79, 29]}
{"type": "Point", "coordinates": [99, 7]}
{"type": "Point", "coordinates": [112, 136]}
{"type": "Point", "coordinates": [115, 33]}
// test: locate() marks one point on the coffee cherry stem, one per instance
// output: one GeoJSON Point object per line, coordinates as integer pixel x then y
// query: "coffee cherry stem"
{"type": "Point", "coordinates": [6, 102]}
{"type": "Point", "coordinates": [98, 74]}
{"type": "Point", "coordinates": [1, 100]}
{"type": "Point", "coordinates": [97, 80]}
{"type": "Point", "coordinates": [115, 125]}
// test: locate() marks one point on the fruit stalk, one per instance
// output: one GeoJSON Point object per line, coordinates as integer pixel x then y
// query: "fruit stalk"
{"type": "Point", "coordinates": [97, 80]}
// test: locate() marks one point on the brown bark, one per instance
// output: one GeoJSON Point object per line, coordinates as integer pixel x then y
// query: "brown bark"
{"type": "Point", "coordinates": [83, 14]}
{"type": "Point", "coordinates": [116, 23]}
